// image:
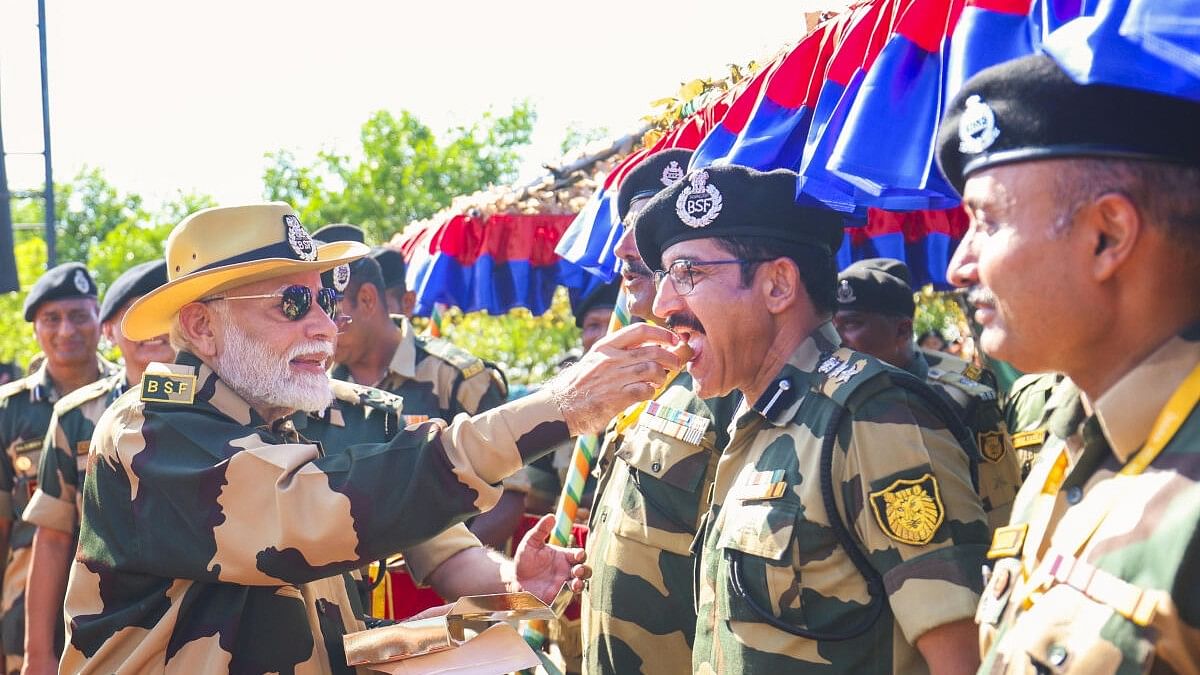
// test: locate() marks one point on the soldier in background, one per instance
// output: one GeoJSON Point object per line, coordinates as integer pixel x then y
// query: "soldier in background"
{"type": "Point", "coordinates": [874, 315]}
{"type": "Point", "coordinates": [1027, 409]}
{"type": "Point", "coordinates": [843, 533]}
{"type": "Point", "coordinates": [594, 311]}
{"type": "Point", "coordinates": [1083, 257]}
{"type": "Point", "coordinates": [214, 535]}
{"type": "Point", "coordinates": [400, 300]}
{"type": "Point", "coordinates": [54, 508]}
{"type": "Point", "coordinates": [62, 308]}
{"type": "Point", "coordinates": [656, 465]}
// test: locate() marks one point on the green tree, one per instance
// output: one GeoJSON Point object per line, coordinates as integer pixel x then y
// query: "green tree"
{"type": "Point", "coordinates": [406, 172]}
{"type": "Point", "coordinates": [16, 335]}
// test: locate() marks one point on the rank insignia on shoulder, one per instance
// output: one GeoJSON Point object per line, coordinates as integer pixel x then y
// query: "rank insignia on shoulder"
{"type": "Point", "coordinates": [991, 445]}
{"type": "Point", "coordinates": [169, 388]}
{"type": "Point", "coordinates": [841, 371]}
{"type": "Point", "coordinates": [972, 372]}
{"type": "Point", "coordinates": [1007, 541]}
{"type": "Point", "coordinates": [680, 424]}
{"type": "Point", "coordinates": [909, 511]}
{"type": "Point", "coordinates": [472, 370]}
{"type": "Point", "coordinates": [1027, 439]}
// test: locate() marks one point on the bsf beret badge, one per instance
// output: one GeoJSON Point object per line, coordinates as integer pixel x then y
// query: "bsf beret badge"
{"type": "Point", "coordinates": [341, 277]}
{"type": "Point", "coordinates": [977, 127]}
{"type": "Point", "coordinates": [298, 238]}
{"type": "Point", "coordinates": [700, 203]}
{"type": "Point", "coordinates": [909, 511]}
{"type": "Point", "coordinates": [672, 174]}
{"type": "Point", "coordinates": [81, 282]}
{"type": "Point", "coordinates": [845, 293]}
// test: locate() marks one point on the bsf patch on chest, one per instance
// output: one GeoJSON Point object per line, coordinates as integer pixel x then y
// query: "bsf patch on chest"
{"type": "Point", "coordinates": [909, 511]}
{"type": "Point", "coordinates": [169, 388]}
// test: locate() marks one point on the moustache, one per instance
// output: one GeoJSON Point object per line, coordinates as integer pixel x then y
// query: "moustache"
{"type": "Point", "coordinates": [979, 295]}
{"type": "Point", "coordinates": [636, 268]}
{"type": "Point", "coordinates": [319, 348]}
{"type": "Point", "coordinates": [684, 321]}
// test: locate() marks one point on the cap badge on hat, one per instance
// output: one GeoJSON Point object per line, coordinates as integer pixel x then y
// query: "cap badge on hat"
{"type": "Point", "coordinates": [700, 203]}
{"type": "Point", "coordinates": [81, 282]}
{"type": "Point", "coordinates": [977, 127]}
{"type": "Point", "coordinates": [672, 174]}
{"type": "Point", "coordinates": [341, 277]}
{"type": "Point", "coordinates": [298, 238]}
{"type": "Point", "coordinates": [845, 293]}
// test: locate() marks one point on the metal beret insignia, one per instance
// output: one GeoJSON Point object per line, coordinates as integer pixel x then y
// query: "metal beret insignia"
{"type": "Point", "coordinates": [672, 174]}
{"type": "Point", "coordinates": [977, 127]}
{"type": "Point", "coordinates": [700, 203]}
{"type": "Point", "coordinates": [298, 238]}
{"type": "Point", "coordinates": [81, 282]}
{"type": "Point", "coordinates": [909, 511]}
{"type": "Point", "coordinates": [341, 277]}
{"type": "Point", "coordinates": [845, 293]}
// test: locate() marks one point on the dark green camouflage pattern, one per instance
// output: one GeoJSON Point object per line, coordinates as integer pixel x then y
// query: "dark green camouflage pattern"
{"type": "Point", "coordinates": [768, 521]}
{"type": "Point", "coordinates": [639, 612]}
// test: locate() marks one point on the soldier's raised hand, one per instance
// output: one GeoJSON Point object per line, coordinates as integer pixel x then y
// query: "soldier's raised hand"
{"type": "Point", "coordinates": [542, 568]}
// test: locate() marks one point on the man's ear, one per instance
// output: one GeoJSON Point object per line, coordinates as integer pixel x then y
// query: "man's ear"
{"type": "Point", "coordinates": [199, 329]}
{"type": "Point", "coordinates": [108, 330]}
{"type": "Point", "coordinates": [1112, 225]}
{"type": "Point", "coordinates": [368, 299]}
{"type": "Point", "coordinates": [781, 284]}
{"type": "Point", "coordinates": [904, 329]}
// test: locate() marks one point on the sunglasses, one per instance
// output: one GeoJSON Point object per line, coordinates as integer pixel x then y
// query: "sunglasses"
{"type": "Point", "coordinates": [295, 301]}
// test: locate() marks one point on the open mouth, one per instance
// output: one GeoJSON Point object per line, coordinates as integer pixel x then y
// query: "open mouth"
{"type": "Point", "coordinates": [311, 363]}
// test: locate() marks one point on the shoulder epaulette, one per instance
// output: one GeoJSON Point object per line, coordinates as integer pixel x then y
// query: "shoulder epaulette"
{"type": "Point", "coordinates": [87, 392]}
{"type": "Point", "coordinates": [466, 362]}
{"type": "Point", "coordinates": [360, 395]}
{"type": "Point", "coordinates": [842, 374]}
{"type": "Point", "coordinates": [963, 383]}
{"type": "Point", "coordinates": [13, 388]}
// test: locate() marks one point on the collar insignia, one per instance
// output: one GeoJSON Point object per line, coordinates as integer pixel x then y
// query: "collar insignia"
{"type": "Point", "coordinates": [977, 127]}
{"type": "Point", "coordinates": [298, 238]}
{"type": "Point", "coordinates": [700, 203]}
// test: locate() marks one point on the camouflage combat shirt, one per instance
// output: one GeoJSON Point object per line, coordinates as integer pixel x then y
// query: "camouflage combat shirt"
{"type": "Point", "coordinates": [639, 612]}
{"type": "Point", "coordinates": [26, 406]}
{"type": "Point", "coordinates": [963, 386]}
{"type": "Point", "coordinates": [1124, 599]}
{"type": "Point", "coordinates": [1025, 412]}
{"type": "Point", "coordinates": [902, 486]}
{"type": "Point", "coordinates": [213, 541]}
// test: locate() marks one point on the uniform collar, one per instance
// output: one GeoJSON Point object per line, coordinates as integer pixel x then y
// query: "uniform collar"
{"type": "Point", "coordinates": [1128, 410]}
{"type": "Point", "coordinates": [781, 400]}
{"type": "Point", "coordinates": [41, 385]}
{"type": "Point", "coordinates": [404, 360]}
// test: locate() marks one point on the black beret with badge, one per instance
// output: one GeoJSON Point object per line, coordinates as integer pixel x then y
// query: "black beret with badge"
{"type": "Point", "coordinates": [876, 285]}
{"type": "Point", "coordinates": [654, 174]}
{"type": "Point", "coordinates": [1028, 109]}
{"type": "Point", "coordinates": [340, 232]}
{"type": "Point", "coordinates": [391, 263]}
{"type": "Point", "coordinates": [134, 282]}
{"type": "Point", "coordinates": [733, 201]}
{"type": "Point", "coordinates": [68, 280]}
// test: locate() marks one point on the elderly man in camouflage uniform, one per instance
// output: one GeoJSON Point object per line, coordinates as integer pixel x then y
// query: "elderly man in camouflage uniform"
{"type": "Point", "coordinates": [214, 534]}
{"type": "Point", "coordinates": [54, 507]}
{"type": "Point", "coordinates": [843, 533]}
{"type": "Point", "coordinates": [62, 308]}
{"type": "Point", "coordinates": [1083, 256]}
{"type": "Point", "coordinates": [656, 465]}
{"type": "Point", "coordinates": [874, 315]}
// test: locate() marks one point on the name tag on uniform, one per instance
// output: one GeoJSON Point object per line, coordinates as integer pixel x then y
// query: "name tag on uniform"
{"type": "Point", "coordinates": [169, 388]}
{"type": "Point", "coordinates": [673, 422]}
{"type": "Point", "coordinates": [1026, 439]}
{"type": "Point", "coordinates": [761, 485]}
{"type": "Point", "coordinates": [28, 446]}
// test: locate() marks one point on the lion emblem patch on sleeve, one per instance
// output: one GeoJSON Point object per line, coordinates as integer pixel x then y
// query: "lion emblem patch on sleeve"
{"type": "Point", "coordinates": [910, 511]}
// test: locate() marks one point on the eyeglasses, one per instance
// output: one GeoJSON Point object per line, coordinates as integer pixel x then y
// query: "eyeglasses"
{"type": "Point", "coordinates": [296, 301]}
{"type": "Point", "coordinates": [681, 272]}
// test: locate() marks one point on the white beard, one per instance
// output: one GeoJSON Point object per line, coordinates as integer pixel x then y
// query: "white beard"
{"type": "Point", "coordinates": [263, 377]}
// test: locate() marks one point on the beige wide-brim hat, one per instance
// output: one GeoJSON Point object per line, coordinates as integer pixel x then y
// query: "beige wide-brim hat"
{"type": "Point", "coordinates": [221, 248]}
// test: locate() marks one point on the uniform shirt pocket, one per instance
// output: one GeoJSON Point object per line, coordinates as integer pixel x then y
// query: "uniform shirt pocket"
{"type": "Point", "coordinates": [755, 540]}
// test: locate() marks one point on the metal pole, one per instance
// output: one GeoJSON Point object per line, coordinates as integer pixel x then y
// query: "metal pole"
{"type": "Point", "coordinates": [8, 262]}
{"type": "Point", "coordinates": [51, 252]}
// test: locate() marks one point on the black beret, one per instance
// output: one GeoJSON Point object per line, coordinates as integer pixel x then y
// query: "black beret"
{"type": "Point", "coordinates": [1029, 109]}
{"type": "Point", "coordinates": [877, 285]}
{"type": "Point", "coordinates": [733, 201]}
{"type": "Point", "coordinates": [655, 173]}
{"type": "Point", "coordinates": [134, 282]}
{"type": "Point", "coordinates": [603, 296]}
{"type": "Point", "coordinates": [391, 264]}
{"type": "Point", "coordinates": [68, 280]}
{"type": "Point", "coordinates": [339, 232]}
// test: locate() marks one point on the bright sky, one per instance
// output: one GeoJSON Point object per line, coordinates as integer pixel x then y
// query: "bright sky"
{"type": "Point", "coordinates": [166, 95]}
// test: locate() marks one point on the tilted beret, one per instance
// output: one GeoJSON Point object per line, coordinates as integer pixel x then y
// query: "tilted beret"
{"type": "Point", "coordinates": [603, 296]}
{"type": "Point", "coordinates": [654, 174]}
{"type": "Point", "coordinates": [68, 280]}
{"type": "Point", "coordinates": [877, 285]}
{"type": "Point", "coordinates": [134, 282]}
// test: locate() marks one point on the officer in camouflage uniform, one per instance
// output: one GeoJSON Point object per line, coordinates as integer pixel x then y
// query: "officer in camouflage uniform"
{"type": "Point", "coordinates": [435, 378]}
{"type": "Point", "coordinates": [843, 532]}
{"type": "Point", "coordinates": [656, 465]}
{"type": "Point", "coordinates": [1082, 257]}
{"type": "Point", "coordinates": [874, 315]}
{"type": "Point", "coordinates": [214, 536]}
{"type": "Point", "coordinates": [1026, 410]}
{"type": "Point", "coordinates": [54, 507]}
{"type": "Point", "coordinates": [62, 308]}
